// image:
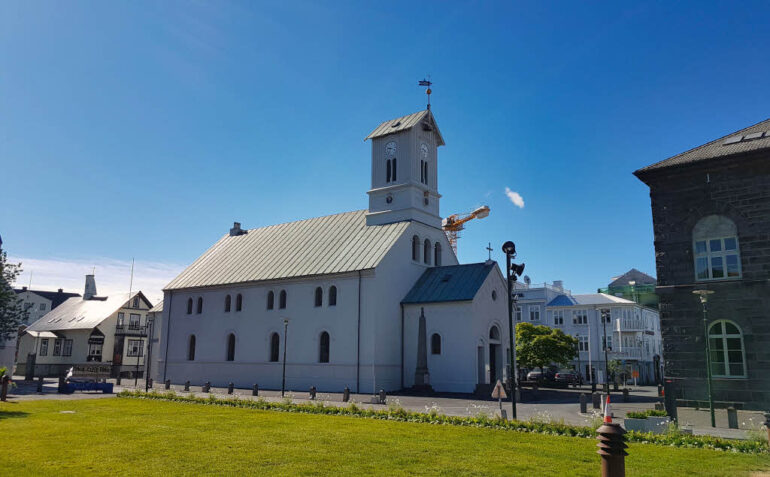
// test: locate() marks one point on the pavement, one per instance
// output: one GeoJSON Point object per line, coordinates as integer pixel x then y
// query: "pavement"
{"type": "Point", "coordinates": [546, 405]}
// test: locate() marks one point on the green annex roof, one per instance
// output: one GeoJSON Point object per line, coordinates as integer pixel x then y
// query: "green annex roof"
{"type": "Point", "coordinates": [324, 245]}
{"type": "Point", "coordinates": [450, 283]}
{"type": "Point", "coordinates": [746, 140]}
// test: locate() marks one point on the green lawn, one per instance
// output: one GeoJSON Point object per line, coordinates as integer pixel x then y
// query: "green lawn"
{"type": "Point", "coordinates": [141, 437]}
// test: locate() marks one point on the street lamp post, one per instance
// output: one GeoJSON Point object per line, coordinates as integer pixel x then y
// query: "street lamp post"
{"type": "Point", "coordinates": [285, 332]}
{"type": "Point", "coordinates": [148, 359]}
{"type": "Point", "coordinates": [703, 295]}
{"type": "Point", "coordinates": [604, 313]}
{"type": "Point", "coordinates": [511, 272]}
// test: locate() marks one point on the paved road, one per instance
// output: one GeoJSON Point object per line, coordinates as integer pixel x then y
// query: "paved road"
{"type": "Point", "coordinates": [546, 405]}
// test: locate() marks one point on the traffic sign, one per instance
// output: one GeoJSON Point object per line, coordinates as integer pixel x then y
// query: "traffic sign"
{"type": "Point", "coordinates": [499, 391]}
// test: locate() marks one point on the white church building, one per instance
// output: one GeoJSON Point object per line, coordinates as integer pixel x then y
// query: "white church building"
{"type": "Point", "coordinates": [371, 299]}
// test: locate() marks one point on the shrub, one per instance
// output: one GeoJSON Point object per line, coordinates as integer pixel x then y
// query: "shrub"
{"type": "Point", "coordinates": [556, 429]}
{"type": "Point", "coordinates": [646, 414]}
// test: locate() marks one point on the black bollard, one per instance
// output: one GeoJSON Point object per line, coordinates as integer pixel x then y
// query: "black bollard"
{"type": "Point", "coordinates": [168, 384]}
{"type": "Point", "coordinates": [732, 418]}
{"type": "Point", "coordinates": [596, 400]}
{"type": "Point", "coordinates": [312, 393]}
{"type": "Point", "coordinates": [117, 380]}
{"type": "Point", "coordinates": [612, 448]}
{"type": "Point", "coordinates": [149, 383]}
{"type": "Point", "coordinates": [346, 397]}
{"type": "Point", "coordinates": [40, 384]}
{"type": "Point", "coordinates": [206, 387]}
{"type": "Point", "coordinates": [625, 394]}
{"type": "Point", "coordinates": [62, 385]}
{"type": "Point", "coordinates": [583, 403]}
{"type": "Point", "coordinates": [382, 396]}
{"type": "Point", "coordinates": [4, 388]}
{"type": "Point", "coordinates": [187, 386]}
{"type": "Point", "coordinates": [230, 388]}
{"type": "Point", "coordinates": [255, 390]}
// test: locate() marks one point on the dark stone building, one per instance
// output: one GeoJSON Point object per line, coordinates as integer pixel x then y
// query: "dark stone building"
{"type": "Point", "coordinates": [711, 217]}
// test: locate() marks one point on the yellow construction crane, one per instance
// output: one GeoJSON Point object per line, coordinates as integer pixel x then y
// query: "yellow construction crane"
{"type": "Point", "coordinates": [456, 222]}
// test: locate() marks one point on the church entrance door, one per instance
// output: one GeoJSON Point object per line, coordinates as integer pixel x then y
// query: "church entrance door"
{"type": "Point", "coordinates": [494, 369]}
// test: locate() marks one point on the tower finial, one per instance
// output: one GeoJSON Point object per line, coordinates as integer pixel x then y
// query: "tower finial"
{"type": "Point", "coordinates": [427, 83]}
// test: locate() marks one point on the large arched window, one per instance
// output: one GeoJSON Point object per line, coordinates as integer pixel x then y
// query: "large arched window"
{"type": "Point", "coordinates": [435, 344]}
{"type": "Point", "coordinates": [416, 248]}
{"type": "Point", "coordinates": [282, 300]}
{"type": "Point", "coordinates": [319, 296]}
{"type": "Point", "coordinates": [275, 344]}
{"type": "Point", "coordinates": [324, 348]}
{"type": "Point", "coordinates": [727, 352]}
{"type": "Point", "coordinates": [715, 248]}
{"type": "Point", "coordinates": [239, 302]}
{"type": "Point", "coordinates": [332, 296]}
{"type": "Point", "coordinates": [200, 305]}
{"type": "Point", "coordinates": [270, 300]}
{"type": "Point", "coordinates": [231, 347]}
{"type": "Point", "coordinates": [189, 306]}
{"type": "Point", "coordinates": [191, 348]}
{"type": "Point", "coordinates": [426, 252]}
{"type": "Point", "coordinates": [437, 255]}
{"type": "Point", "coordinates": [227, 304]}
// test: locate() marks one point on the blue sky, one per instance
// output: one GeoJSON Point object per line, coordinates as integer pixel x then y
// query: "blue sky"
{"type": "Point", "coordinates": [144, 129]}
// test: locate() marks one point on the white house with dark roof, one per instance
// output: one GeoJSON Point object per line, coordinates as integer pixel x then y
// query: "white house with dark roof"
{"type": "Point", "coordinates": [330, 293]}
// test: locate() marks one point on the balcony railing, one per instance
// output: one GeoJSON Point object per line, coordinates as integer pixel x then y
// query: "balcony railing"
{"type": "Point", "coordinates": [633, 324]}
{"type": "Point", "coordinates": [131, 329]}
{"type": "Point", "coordinates": [626, 353]}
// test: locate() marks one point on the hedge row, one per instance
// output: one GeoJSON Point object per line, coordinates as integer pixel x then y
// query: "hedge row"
{"type": "Point", "coordinates": [433, 417]}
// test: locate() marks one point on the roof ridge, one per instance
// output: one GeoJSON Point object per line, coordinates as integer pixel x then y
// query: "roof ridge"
{"type": "Point", "coordinates": [652, 166]}
{"type": "Point", "coordinates": [307, 219]}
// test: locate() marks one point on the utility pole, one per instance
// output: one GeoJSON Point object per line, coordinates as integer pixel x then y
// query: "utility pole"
{"type": "Point", "coordinates": [512, 270]}
{"type": "Point", "coordinates": [604, 313]}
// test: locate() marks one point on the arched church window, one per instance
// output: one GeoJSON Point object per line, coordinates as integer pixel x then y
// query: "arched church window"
{"type": "Point", "coordinates": [191, 348]}
{"type": "Point", "coordinates": [231, 347]}
{"type": "Point", "coordinates": [275, 344]}
{"type": "Point", "coordinates": [333, 296]}
{"type": "Point", "coordinates": [270, 300]}
{"type": "Point", "coordinates": [319, 293]}
{"type": "Point", "coordinates": [727, 352]}
{"type": "Point", "coordinates": [189, 306]}
{"type": "Point", "coordinates": [200, 305]}
{"type": "Point", "coordinates": [324, 348]}
{"type": "Point", "coordinates": [435, 344]}
{"type": "Point", "coordinates": [422, 172]}
{"type": "Point", "coordinates": [716, 251]}
{"type": "Point", "coordinates": [437, 255]}
{"type": "Point", "coordinates": [282, 300]}
{"type": "Point", "coordinates": [416, 248]}
{"type": "Point", "coordinates": [426, 252]}
{"type": "Point", "coordinates": [394, 170]}
{"type": "Point", "coordinates": [239, 302]}
{"type": "Point", "coordinates": [494, 333]}
{"type": "Point", "coordinates": [227, 304]}
{"type": "Point", "coordinates": [426, 172]}
{"type": "Point", "coordinates": [387, 170]}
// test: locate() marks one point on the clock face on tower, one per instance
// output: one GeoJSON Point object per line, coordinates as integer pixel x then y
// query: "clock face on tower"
{"type": "Point", "coordinates": [390, 149]}
{"type": "Point", "coordinates": [424, 151]}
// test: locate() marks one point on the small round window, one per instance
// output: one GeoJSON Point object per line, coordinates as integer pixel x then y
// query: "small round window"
{"type": "Point", "coordinates": [494, 294]}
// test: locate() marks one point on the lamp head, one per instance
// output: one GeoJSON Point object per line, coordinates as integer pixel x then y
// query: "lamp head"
{"type": "Point", "coordinates": [509, 248]}
{"type": "Point", "coordinates": [703, 295]}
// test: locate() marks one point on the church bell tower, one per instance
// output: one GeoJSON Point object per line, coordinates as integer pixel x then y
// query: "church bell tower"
{"type": "Point", "coordinates": [405, 171]}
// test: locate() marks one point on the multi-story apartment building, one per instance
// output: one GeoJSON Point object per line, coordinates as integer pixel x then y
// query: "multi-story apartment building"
{"type": "Point", "coordinates": [631, 331]}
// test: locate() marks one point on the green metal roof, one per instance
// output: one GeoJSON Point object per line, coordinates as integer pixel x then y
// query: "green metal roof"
{"type": "Point", "coordinates": [320, 246]}
{"type": "Point", "coordinates": [450, 283]}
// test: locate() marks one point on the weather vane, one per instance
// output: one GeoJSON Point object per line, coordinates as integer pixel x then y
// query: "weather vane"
{"type": "Point", "coordinates": [427, 83]}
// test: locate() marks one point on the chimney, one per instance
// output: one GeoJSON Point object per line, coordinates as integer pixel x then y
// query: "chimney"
{"type": "Point", "coordinates": [61, 290]}
{"type": "Point", "coordinates": [90, 290]}
{"type": "Point", "coordinates": [558, 284]}
{"type": "Point", "coordinates": [236, 230]}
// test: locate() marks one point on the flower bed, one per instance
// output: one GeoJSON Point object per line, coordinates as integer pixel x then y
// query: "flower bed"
{"type": "Point", "coordinates": [401, 414]}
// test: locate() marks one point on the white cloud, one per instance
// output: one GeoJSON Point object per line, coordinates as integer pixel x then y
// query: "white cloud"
{"type": "Point", "coordinates": [112, 276]}
{"type": "Point", "coordinates": [515, 197]}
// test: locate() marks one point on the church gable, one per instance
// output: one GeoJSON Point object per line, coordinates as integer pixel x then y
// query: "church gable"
{"type": "Point", "coordinates": [320, 246]}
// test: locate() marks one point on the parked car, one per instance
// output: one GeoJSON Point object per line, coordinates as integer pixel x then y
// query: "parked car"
{"type": "Point", "coordinates": [539, 376]}
{"type": "Point", "coordinates": [568, 376]}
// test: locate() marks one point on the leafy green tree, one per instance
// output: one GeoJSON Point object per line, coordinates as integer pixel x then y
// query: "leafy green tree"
{"type": "Point", "coordinates": [538, 346]}
{"type": "Point", "coordinates": [11, 313]}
